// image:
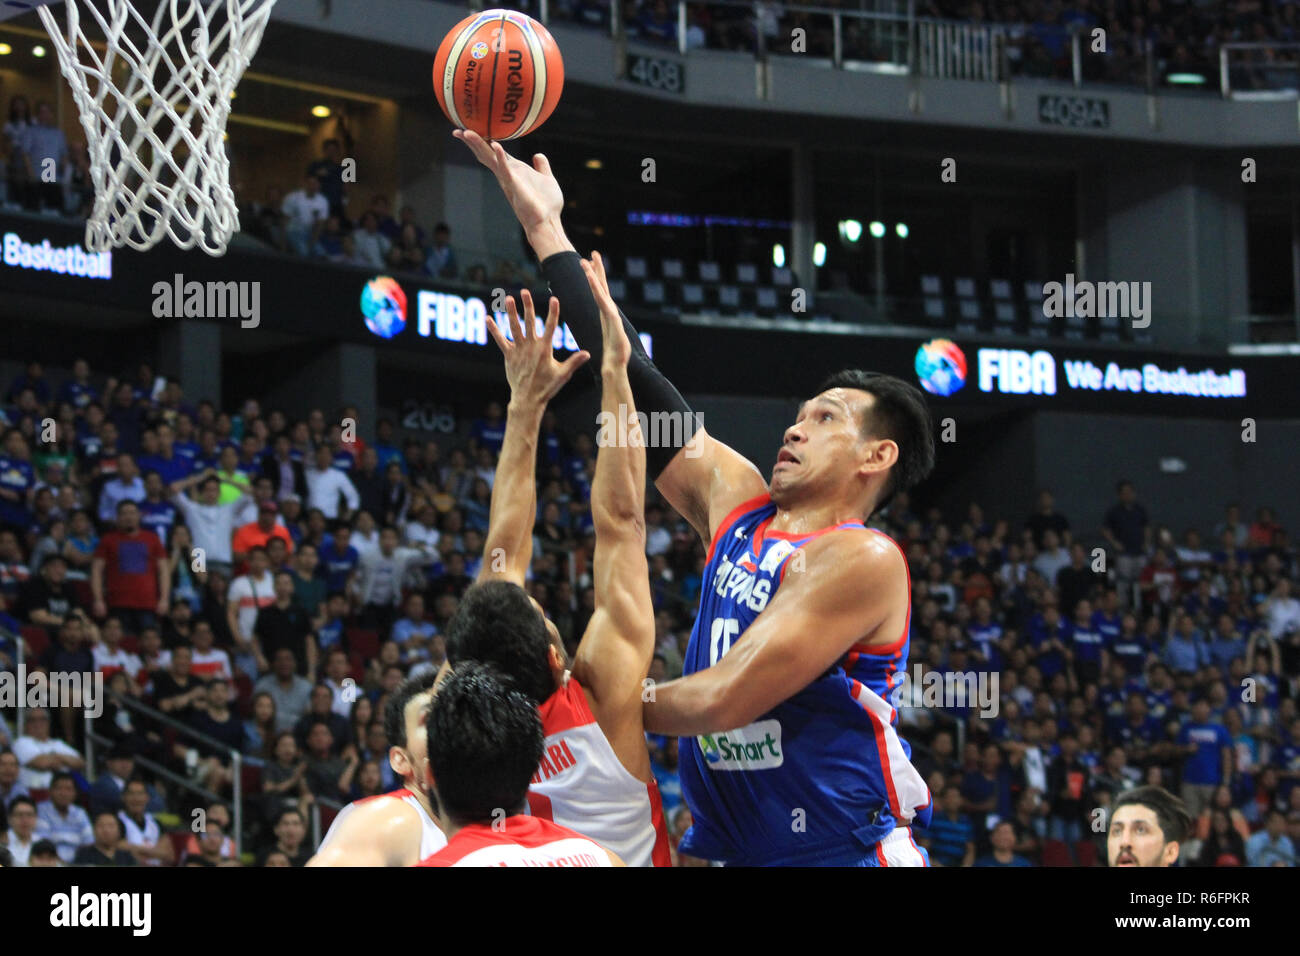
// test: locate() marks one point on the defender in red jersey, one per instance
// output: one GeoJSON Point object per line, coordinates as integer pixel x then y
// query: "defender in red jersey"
{"type": "Point", "coordinates": [484, 742]}
{"type": "Point", "coordinates": [594, 773]}
{"type": "Point", "coordinates": [398, 828]}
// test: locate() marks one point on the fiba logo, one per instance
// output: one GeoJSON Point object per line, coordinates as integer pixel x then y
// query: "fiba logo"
{"type": "Point", "coordinates": [941, 367]}
{"type": "Point", "coordinates": [478, 50]}
{"type": "Point", "coordinates": [383, 303]}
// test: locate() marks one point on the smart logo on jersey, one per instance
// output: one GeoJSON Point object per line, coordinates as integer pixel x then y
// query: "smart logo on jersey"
{"type": "Point", "coordinates": [383, 303]}
{"type": "Point", "coordinates": [941, 367]}
{"type": "Point", "coordinates": [755, 746]}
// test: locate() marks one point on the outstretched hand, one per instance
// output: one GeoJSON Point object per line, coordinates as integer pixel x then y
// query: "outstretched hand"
{"type": "Point", "coordinates": [531, 369]}
{"type": "Point", "coordinates": [616, 349]}
{"type": "Point", "coordinates": [532, 191]}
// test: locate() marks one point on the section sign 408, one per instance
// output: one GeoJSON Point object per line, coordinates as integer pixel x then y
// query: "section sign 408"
{"type": "Point", "coordinates": [1078, 112]}
{"type": "Point", "coordinates": [657, 73]}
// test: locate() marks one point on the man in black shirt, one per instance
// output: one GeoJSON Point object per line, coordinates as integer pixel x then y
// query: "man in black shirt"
{"type": "Point", "coordinates": [285, 624]}
{"type": "Point", "coordinates": [1076, 581]}
{"type": "Point", "coordinates": [106, 850]}
{"type": "Point", "coordinates": [70, 654]}
{"type": "Point", "coordinates": [46, 599]}
{"type": "Point", "coordinates": [176, 690]}
{"type": "Point", "coordinates": [1128, 531]}
{"type": "Point", "coordinates": [1047, 518]}
{"type": "Point", "coordinates": [328, 170]}
{"type": "Point", "coordinates": [320, 712]}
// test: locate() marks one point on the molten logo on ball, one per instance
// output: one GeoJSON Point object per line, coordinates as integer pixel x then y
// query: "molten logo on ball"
{"type": "Point", "coordinates": [383, 303]}
{"type": "Point", "coordinates": [941, 367]}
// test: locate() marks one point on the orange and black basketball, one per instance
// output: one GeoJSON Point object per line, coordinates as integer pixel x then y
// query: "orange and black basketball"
{"type": "Point", "coordinates": [498, 73]}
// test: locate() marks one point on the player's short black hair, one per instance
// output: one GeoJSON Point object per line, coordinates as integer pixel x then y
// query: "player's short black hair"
{"type": "Point", "coordinates": [395, 709]}
{"type": "Point", "coordinates": [497, 624]}
{"type": "Point", "coordinates": [899, 413]}
{"type": "Point", "coordinates": [1171, 813]}
{"type": "Point", "coordinates": [485, 742]}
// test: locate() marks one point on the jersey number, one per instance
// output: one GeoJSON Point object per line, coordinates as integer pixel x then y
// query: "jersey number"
{"type": "Point", "coordinates": [722, 634]}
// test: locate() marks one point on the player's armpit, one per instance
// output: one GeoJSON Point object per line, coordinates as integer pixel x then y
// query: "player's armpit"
{"type": "Point", "coordinates": [706, 480]}
{"type": "Point", "coordinates": [850, 582]}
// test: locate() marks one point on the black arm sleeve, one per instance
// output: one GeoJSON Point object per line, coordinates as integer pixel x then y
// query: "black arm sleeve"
{"type": "Point", "coordinates": [653, 392]}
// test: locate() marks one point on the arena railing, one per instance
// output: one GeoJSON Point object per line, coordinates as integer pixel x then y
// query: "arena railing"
{"type": "Point", "coordinates": [20, 655]}
{"type": "Point", "coordinates": [190, 734]}
{"type": "Point", "coordinates": [315, 821]}
{"type": "Point", "coordinates": [1256, 74]}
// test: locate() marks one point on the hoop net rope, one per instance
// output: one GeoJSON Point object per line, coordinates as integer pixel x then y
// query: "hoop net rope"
{"type": "Point", "coordinates": [157, 157]}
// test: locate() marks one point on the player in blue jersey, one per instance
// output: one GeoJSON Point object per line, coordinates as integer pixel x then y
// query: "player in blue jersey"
{"type": "Point", "coordinates": [789, 752]}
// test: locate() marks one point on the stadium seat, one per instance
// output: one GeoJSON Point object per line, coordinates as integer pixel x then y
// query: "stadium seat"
{"type": "Point", "coordinates": [38, 794]}
{"type": "Point", "coordinates": [130, 643]}
{"type": "Point", "coordinates": [765, 300]}
{"type": "Point", "coordinates": [327, 815]}
{"type": "Point", "coordinates": [617, 288]}
{"type": "Point", "coordinates": [250, 779]}
{"type": "Point", "coordinates": [1004, 318]}
{"type": "Point", "coordinates": [709, 272]}
{"type": "Point", "coordinates": [243, 693]}
{"type": "Point", "coordinates": [82, 592]}
{"type": "Point", "coordinates": [935, 310]}
{"type": "Point", "coordinates": [692, 296]}
{"type": "Point", "coordinates": [671, 269]}
{"type": "Point", "coordinates": [1056, 853]}
{"type": "Point", "coordinates": [969, 315]}
{"type": "Point", "coordinates": [636, 267]}
{"type": "Point", "coordinates": [1086, 851]}
{"type": "Point", "coordinates": [1034, 292]}
{"type": "Point", "coordinates": [999, 289]}
{"type": "Point", "coordinates": [782, 277]}
{"type": "Point", "coordinates": [747, 273]}
{"type": "Point", "coordinates": [363, 642]}
{"type": "Point", "coordinates": [36, 640]}
{"type": "Point", "coordinates": [728, 298]}
{"type": "Point", "coordinates": [964, 288]}
{"type": "Point", "coordinates": [180, 840]}
{"type": "Point", "coordinates": [652, 292]}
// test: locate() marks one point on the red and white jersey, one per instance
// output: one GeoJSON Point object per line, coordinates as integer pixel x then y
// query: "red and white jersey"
{"type": "Point", "coordinates": [431, 838]}
{"type": "Point", "coordinates": [518, 841]}
{"type": "Point", "coordinates": [581, 784]}
{"type": "Point", "coordinates": [211, 664]}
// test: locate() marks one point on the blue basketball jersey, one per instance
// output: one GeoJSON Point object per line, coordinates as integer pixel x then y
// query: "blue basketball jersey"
{"type": "Point", "coordinates": [823, 776]}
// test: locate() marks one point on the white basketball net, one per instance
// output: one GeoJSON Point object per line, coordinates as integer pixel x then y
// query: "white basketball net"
{"type": "Point", "coordinates": [157, 159]}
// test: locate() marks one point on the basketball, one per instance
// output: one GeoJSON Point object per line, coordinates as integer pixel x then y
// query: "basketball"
{"type": "Point", "coordinates": [498, 73]}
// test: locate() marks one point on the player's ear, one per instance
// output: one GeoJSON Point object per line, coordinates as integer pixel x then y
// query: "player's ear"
{"type": "Point", "coordinates": [880, 454]}
{"type": "Point", "coordinates": [400, 761]}
{"type": "Point", "coordinates": [1169, 855]}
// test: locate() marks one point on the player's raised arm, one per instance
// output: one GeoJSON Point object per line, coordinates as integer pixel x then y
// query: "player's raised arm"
{"type": "Point", "coordinates": [614, 655]}
{"type": "Point", "coordinates": [704, 480]}
{"type": "Point", "coordinates": [535, 377]}
{"type": "Point", "coordinates": [841, 597]}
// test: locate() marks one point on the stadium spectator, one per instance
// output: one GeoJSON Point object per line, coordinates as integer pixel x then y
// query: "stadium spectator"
{"type": "Point", "coordinates": [290, 692]}
{"type": "Point", "coordinates": [42, 756]}
{"type": "Point", "coordinates": [1271, 846]}
{"type": "Point", "coordinates": [380, 577]}
{"type": "Point", "coordinates": [45, 151]}
{"type": "Point", "coordinates": [441, 262]}
{"type": "Point", "coordinates": [328, 173]}
{"type": "Point", "coordinates": [21, 836]}
{"type": "Point", "coordinates": [128, 575]}
{"type": "Point", "coordinates": [372, 246]}
{"type": "Point", "coordinates": [305, 210]}
{"type": "Point", "coordinates": [290, 836]}
{"type": "Point", "coordinates": [950, 838]}
{"type": "Point", "coordinates": [407, 254]}
{"type": "Point", "coordinates": [326, 483]}
{"type": "Point", "coordinates": [144, 838]}
{"type": "Point", "coordinates": [61, 821]}
{"type": "Point", "coordinates": [1003, 837]}
{"type": "Point", "coordinates": [106, 848]}
{"type": "Point", "coordinates": [283, 625]}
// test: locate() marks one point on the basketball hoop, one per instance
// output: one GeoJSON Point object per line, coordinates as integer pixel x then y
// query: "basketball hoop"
{"type": "Point", "coordinates": [155, 132]}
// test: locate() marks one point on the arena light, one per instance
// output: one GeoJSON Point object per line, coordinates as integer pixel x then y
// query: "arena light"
{"type": "Point", "coordinates": [38, 51]}
{"type": "Point", "coordinates": [594, 164]}
{"type": "Point", "coordinates": [819, 254]}
{"type": "Point", "coordinates": [850, 230]}
{"type": "Point", "coordinates": [902, 230]}
{"type": "Point", "coordinates": [1185, 79]}
{"type": "Point", "coordinates": [5, 49]}
{"type": "Point", "coordinates": [320, 112]}
{"type": "Point", "coordinates": [877, 229]}
{"type": "Point", "coordinates": [778, 255]}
